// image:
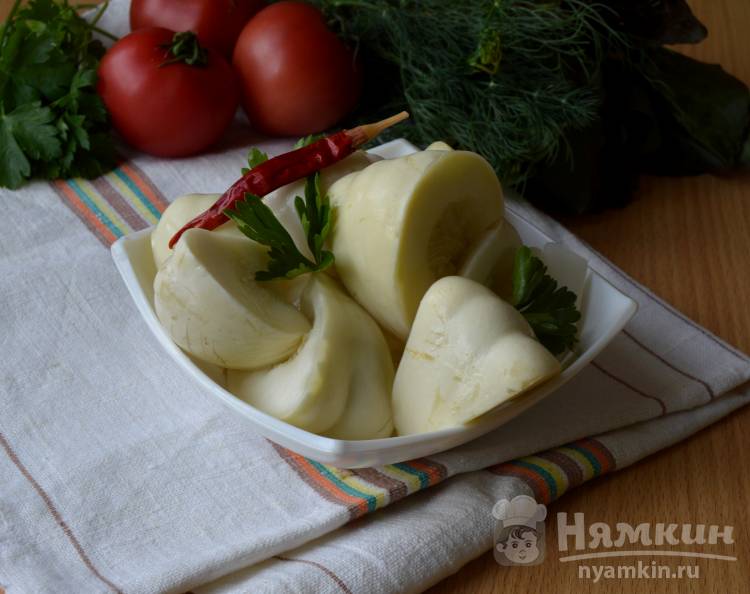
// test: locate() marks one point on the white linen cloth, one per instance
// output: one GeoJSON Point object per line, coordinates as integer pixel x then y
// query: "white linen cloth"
{"type": "Point", "coordinates": [119, 474]}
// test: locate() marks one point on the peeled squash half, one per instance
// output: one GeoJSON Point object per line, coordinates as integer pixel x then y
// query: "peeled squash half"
{"type": "Point", "coordinates": [206, 297]}
{"type": "Point", "coordinates": [182, 210]}
{"type": "Point", "coordinates": [439, 145]}
{"type": "Point", "coordinates": [339, 381]}
{"type": "Point", "coordinates": [467, 352]}
{"type": "Point", "coordinates": [401, 224]}
{"type": "Point", "coordinates": [491, 260]}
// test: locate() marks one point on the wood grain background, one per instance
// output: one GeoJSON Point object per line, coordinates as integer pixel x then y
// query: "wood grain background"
{"type": "Point", "coordinates": [689, 241]}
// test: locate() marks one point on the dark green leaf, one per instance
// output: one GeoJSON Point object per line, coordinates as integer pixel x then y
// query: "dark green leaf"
{"type": "Point", "coordinates": [32, 128]}
{"type": "Point", "coordinates": [44, 11]}
{"type": "Point", "coordinates": [550, 310]}
{"type": "Point", "coordinates": [309, 139]}
{"type": "Point", "coordinates": [657, 22]}
{"type": "Point", "coordinates": [671, 116]}
{"type": "Point", "coordinates": [708, 116]}
{"type": "Point", "coordinates": [91, 104]}
{"type": "Point", "coordinates": [256, 220]}
{"type": "Point", "coordinates": [95, 161]}
{"type": "Point", "coordinates": [528, 273]}
{"type": "Point", "coordinates": [314, 214]}
{"type": "Point", "coordinates": [25, 133]}
{"type": "Point", "coordinates": [14, 166]}
{"type": "Point", "coordinates": [40, 69]}
{"type": "Point", "coordinates": [254, 158]}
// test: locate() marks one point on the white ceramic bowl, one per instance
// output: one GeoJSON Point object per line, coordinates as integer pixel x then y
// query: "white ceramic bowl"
{"type": "Point", "coordinates": [605, 311]}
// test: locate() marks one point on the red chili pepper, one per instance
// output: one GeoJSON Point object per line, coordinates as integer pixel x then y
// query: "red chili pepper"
{"type": "Point", "coordinates": [284, 169]}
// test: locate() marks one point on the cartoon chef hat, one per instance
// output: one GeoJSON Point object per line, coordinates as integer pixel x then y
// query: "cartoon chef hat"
{"type": "Point", "coordinates": [522, 510]}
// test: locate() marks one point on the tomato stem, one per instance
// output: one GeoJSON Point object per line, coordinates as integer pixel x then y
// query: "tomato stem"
{"type": "Point", "coordinates": [185, 48]}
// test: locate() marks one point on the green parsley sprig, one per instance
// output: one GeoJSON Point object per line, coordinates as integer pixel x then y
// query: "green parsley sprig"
{"type": "Point", "coordinates": [254, 158]}
{"type": "Point", "coordinates": [256, 220]}
{"type": "Point", "coordinates": [52, 122]}
{"type": "Point", "coordinates": [550, 310]}
{"type": "Point", "coordinates": [309, 139]}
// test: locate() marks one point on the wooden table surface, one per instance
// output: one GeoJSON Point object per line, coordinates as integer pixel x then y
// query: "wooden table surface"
{"type": "Point", "coordinates": [689, 241]}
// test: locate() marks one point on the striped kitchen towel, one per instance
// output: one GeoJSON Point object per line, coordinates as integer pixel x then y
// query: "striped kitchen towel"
{"type": "Point", "coordinates": [122, 201]}
{"type": "Point", "coordinates": [119, 474]}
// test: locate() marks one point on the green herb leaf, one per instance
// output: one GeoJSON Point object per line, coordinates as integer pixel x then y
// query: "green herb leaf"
{"type": "Point", "coordinates": [254, 158]}
{"type": "Point", "coordinates": [25, 133]}
{"type": "Point", "coordinates": [657, 23]}
{"type": "Point", "coordinates": [314, 214]}
{"type": "Point", "coordinates": [256, 220]}
{"type": "Point", "coordinates": [550, 310]}
{"type": "Point", "coordinates": [309, 139]}
{"type": "Point", "coordinates": [707, 117]}
{"type": "Point", "coordinates": [670, 116]}
{"type": "Point", "coordinates": [40, 70]}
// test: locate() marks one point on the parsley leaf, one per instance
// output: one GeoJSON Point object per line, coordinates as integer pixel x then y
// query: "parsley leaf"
{"type": "Point", "coordinates": [550, 310]}
{"type": "Point", "coordinates": [26, 133]}
{"type": "Point", "coordinates": [314, 213]}
{"type": "Point", "coordinates": [305, 140]}
{"type": "Point", "coordinates": [256, 220]}
{"type": "Point", "coordinates": [254, 158]}
{"type": "Point", "coordinates": [39, 69]}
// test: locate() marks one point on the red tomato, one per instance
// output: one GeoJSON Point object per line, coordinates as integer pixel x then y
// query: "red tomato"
{"type": "Point", "coordinates": [216, 22]}
{"type": "Point", "coordinates": [168, 110]}
{"type": "Point", "coordinates": [297, 77]}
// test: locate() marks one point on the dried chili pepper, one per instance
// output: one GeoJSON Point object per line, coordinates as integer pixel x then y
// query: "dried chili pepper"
{"type": "Point", "coordinates": [284, 169]}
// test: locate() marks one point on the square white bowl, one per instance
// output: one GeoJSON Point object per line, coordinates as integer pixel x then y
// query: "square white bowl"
{"type": "Point", "coordinates": [605, 311]}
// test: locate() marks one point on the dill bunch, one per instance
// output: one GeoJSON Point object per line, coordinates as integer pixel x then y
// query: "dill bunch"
{"type": "Point", "coordinates": [504, 78]}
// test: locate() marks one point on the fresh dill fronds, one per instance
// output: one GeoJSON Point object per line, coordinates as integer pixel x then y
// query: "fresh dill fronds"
{"type": "Point", "coordinates": [504, 78]}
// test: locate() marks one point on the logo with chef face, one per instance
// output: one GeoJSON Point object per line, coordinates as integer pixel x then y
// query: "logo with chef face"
{"type": "Point", "coordinates": [519, 532]}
